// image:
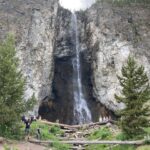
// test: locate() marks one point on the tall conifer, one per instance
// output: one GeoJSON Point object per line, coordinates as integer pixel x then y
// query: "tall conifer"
{"type": "Point", "coordinates": [135, 94]}
{"type": "Point", "coordinates": [12, 83]}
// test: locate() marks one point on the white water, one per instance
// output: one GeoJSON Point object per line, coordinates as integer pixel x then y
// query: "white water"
{"type": "Point", "coordinates": [82, 113]}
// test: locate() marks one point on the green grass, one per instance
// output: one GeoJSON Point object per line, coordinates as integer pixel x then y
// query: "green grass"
{"type": "Point", "coordinates": [47, 132]}
{"type": "Point", "coordinates": [145, 147]}
{"type": "Point", "coordinates": [106, 134]}
{"type": "Point", "coordinates": [107, 147]}
{"type": "Point", "coordinates": [6, 147]}
{"type": "Point", "coordinates": [97, 147]}
{"type": "Point", "coordinates": [59, 146]}
{"type": "Point", "coordinates": [121, 137]}
{"type": "Point", "coordinates": [124, 147]}
{"type": "Point", "coordinates": [101, 134]}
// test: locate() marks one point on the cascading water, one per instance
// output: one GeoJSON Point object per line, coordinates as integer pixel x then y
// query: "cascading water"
{"type": "Point", "coordinates": [82, 113]}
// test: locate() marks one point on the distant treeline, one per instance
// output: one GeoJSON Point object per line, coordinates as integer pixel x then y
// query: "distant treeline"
{"type": "Point", "coordinates": [126, 1]}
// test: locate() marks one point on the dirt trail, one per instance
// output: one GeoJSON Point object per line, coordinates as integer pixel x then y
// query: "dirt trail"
{"type": "Point", "coordinates": [25, 146]}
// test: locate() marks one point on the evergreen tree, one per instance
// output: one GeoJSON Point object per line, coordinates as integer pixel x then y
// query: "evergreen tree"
{"type": "Point", "coordinates": [135, 95]}
{"type": "Point", "coordinates": [12, 83]}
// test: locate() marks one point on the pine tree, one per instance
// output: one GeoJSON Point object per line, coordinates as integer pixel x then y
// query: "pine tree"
{"type": "Point", "coordinates": [12, 83]}
{"type": "Point", "coordinates": [135, 94]}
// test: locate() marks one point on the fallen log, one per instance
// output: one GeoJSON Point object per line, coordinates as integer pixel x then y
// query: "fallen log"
{"type": "Point", "coordinates": [75, 127]}
{"type": "Point", "coordinates": [70, 139]}
{"type": "Point", "coordinates": [63, 126]}
{"type": "Point", "coordinates": [78, 148]}
{"type": "Point", "coordinates": [69, 131]}
{"type": "Point", "coordinates": [140, 142]}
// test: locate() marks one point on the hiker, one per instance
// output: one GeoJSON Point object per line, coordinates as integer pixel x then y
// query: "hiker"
{"type": "Point", "coordinates": [27, 127]}
{"type": "Point", "coordinates": [27, 123]}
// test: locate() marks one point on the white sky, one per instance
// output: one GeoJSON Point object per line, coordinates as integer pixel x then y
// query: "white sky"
{"type": "Point", "coordinates": [76, 4]}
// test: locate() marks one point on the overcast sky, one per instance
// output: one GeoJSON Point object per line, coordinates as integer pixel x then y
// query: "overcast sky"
{"type": "Point", "coordinates": [76, 4]}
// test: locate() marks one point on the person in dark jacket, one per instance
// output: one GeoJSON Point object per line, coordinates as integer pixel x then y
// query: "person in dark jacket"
{"type": "Point", "coordinates": [28, 123]}
{"type": "Point", "coordinates": [27, 126]}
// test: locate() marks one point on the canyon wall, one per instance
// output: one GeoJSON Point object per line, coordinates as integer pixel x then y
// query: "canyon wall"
{"type": "Point", "coordinates": [109, 33]}
{"type": "Point", "coordinates": [33, 24]}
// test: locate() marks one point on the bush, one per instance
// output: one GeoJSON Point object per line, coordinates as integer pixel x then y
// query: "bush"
{"type": "Point", "coordinates": [14, 132]}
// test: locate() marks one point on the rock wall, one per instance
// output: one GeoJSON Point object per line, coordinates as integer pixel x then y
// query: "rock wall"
{"type": "Point", "coordinates": [62, 87]}
{"type": "Point", "coordinates": [33, 24]}
{"type": "Point", "coordinates": [109, 33]}
{"type": "Point", "coordinates": [61, 84]}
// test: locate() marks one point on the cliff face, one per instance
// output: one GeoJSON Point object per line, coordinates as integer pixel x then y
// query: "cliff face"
{"type": "Point", "coordinates": [109, 34]}
{"type": "Point", "coordinates": [33, 24]}
{"type": "Point", "coordinates": [62, 100]}
{"type": "Point", "coordinates": [62, 87]}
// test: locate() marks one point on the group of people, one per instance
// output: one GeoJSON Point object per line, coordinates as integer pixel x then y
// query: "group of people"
{"type": "Point", "coordinates": [28, 122]}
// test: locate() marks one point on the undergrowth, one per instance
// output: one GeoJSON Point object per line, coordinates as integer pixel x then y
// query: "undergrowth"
{"type": "Point", "coordinates": [106, 134]}
{"type": "Point", "coordinates": [14, 133]}
{"type": "Point", "coordinates": [47, 132]}
{"type": "Point", "coordinates": [101, 134]}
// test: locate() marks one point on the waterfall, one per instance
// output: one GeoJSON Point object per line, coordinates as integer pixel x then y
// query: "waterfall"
{"type": "Point", "coordinates": [82, 113]}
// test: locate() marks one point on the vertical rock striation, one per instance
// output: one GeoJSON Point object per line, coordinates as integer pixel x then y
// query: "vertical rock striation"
{"type": "Point", "coordinates": [33, 24]}
{"type": "Point", "coordinates": [109, 33]}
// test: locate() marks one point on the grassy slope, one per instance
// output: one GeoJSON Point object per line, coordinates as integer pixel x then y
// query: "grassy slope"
{"type": "Point", "coordinates": [103, 133]}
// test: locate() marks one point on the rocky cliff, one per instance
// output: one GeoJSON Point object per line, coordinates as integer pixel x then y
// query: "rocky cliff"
{"type": "Point", "coordinates": [109, 33]}
{"type": "Point", "coordinates": [62, 87]}
{"type": "Point", "coordinates": [33, 24]}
